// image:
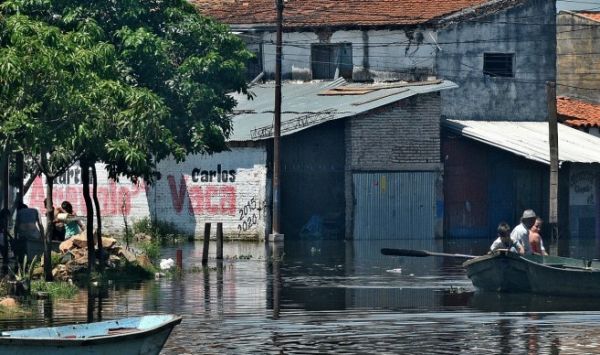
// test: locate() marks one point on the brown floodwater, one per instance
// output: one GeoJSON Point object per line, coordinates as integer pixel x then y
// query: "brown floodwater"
{"type": "Point", "coordinates": [318, 296]}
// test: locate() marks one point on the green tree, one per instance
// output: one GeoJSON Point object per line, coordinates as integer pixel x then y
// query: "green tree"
{"type": "Point", "coordinates": [128, 83]}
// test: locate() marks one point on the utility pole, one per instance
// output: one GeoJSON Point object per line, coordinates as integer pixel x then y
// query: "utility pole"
{"type": "Point", "coordinates": [553, 140]}
{"type": "Point", "coordinates": [276, 227]}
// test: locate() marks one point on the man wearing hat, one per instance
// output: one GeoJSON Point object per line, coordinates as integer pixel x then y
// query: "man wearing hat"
{"type": "Point", "coordinates": [520, 234]}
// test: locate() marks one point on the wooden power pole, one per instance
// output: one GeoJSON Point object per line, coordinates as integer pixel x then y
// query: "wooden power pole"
{"type": "Point", "coordinates": [276, 227]}
{"type": "Point", "coordinates": [553, 140]}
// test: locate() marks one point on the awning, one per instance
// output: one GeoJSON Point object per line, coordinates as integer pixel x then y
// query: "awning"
{"type": "Point", "coordinates": [530, 139]}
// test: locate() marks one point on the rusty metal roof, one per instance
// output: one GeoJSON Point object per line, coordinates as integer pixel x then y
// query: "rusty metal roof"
{"type": "Point", "coordinates": [308, 104]}
{"type": "Point", "coordinates": [530, 139]}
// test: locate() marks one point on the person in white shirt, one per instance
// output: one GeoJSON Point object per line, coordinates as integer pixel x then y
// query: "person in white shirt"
{"type": "Point", "coordinates": [521, 232]}
{"type": "Point", "coordinates": [504, 241]}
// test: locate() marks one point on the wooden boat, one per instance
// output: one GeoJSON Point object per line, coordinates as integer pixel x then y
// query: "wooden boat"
{"type": "Point", "coordinates": [137, 335]}
{"type": "Point", "coordinates": [552, 275]}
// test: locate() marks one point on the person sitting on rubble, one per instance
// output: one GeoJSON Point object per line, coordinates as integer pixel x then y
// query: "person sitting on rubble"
{"type": "Point", "coordinates": [73, 225]}
{"type": "Point", "coordinates": [58, 227]}
{"type": "Point", "coordinates": [504, 241]}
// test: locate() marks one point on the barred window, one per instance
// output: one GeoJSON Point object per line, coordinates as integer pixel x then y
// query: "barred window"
{"type": "Point", "coordinates": [326, 59]}
{"type": "Point", "coordinates": [498, 64]}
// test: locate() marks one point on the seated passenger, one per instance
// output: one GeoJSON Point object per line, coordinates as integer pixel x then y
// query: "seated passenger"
{"type": "Point", "coordinates": [535, 238]}
{"type": "Point", "coordinates": [505, 242]}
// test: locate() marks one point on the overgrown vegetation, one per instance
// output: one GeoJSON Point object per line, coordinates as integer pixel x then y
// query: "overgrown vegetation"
{"type": "Point", "coordinates": [159, 231]}
{"type": "Point", "coordinates": [57, 289]}
{"type": "Point", "coordinates": [151, 249]}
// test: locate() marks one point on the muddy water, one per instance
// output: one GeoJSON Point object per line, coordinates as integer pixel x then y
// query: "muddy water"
{"type": "Point", "coordinates": [339, 297]}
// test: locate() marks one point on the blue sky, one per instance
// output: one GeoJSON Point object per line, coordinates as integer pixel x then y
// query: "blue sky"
{"type": "Point", "coordinates": [593, 5]}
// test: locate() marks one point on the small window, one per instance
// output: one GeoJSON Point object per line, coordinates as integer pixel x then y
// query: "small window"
{"type": "Point", "coordinates": [326, 59]}
{"type": "Point", "coordinates": [254, 65]}
{"type": "Point", "coordinates": [498, 64]}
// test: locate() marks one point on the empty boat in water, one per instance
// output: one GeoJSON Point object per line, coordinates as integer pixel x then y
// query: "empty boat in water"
{"type": "Point", "coordinates": [136, 335]}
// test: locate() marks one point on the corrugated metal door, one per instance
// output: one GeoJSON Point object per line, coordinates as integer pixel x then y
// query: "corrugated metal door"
{"type": "Point", "coordinates": [394, 205]}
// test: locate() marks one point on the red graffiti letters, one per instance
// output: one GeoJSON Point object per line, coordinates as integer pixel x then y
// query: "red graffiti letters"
{"type": "Point", "coordinates": [115, 199]}
{"type": "Point", "coordinates": [216, 199]}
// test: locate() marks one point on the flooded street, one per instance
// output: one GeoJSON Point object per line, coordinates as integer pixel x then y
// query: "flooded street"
{"type": "Point", "coordinates": [338, 297]}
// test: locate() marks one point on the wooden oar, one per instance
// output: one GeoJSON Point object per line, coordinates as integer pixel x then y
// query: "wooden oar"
{"type": "Point", "coordinates": [422, 253]}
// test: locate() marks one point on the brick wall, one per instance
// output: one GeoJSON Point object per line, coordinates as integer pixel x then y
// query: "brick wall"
{"type": "Point", "coordinates": [226, 187]}
{"type": "Point", "coordinates": [396, 136]}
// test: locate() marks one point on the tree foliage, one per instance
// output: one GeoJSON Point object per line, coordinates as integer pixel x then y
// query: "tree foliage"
{"type": "Point", "coordinates": [127, 82]}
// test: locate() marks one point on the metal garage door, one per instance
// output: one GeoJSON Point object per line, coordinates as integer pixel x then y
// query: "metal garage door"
{"type": "Point", "coordinates": [394, 205]}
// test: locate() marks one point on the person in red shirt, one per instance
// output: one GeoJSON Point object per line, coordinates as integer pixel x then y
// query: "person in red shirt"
{"type": "Point", "coordinates": [535, 238]}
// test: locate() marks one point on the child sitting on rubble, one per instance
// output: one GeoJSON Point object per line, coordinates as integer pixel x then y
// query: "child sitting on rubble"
{"type": "Point", "coordinates": [505, 242]}
{"type": "Point", "coordinates": [73, 225]}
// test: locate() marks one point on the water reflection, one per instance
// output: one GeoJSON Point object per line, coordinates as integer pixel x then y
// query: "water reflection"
{"type": "Point", "coordinates": [334, 296]}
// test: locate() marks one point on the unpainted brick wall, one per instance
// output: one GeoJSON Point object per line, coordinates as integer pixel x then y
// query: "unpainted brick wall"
{"type": "Point", "coordinates": [389, 138]}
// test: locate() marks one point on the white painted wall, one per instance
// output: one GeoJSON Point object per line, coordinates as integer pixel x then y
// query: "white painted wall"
{"type": "Point", "coordinates": [188, 194]}
{"type": "Point", "coordinates": [389, 51]}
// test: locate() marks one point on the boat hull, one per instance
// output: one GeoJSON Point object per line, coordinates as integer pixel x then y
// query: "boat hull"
{"type": "Point", "coordinates": [508, 272]}
{"type": "Point", "coordinates": [92, 338]}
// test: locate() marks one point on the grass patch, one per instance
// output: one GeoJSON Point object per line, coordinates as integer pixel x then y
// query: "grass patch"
{"type": "Point", "coordinates": [57, 289]}
{"type": "Point", "coordinates": [128, 272]}
{"type": "Point", "coordinates": [160, 231]}
{"type": "Point", "coordinates": [151, 250]}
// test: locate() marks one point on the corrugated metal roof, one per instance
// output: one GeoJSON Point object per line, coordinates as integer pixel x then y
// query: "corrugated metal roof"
{"type": "Point", "coordinates": [530, 139]}
{"type": "Point", "coordinates": [302, 106]}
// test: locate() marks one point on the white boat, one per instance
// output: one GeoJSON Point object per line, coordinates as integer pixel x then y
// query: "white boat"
{"type": "Point", "coordinates": [136, 335]}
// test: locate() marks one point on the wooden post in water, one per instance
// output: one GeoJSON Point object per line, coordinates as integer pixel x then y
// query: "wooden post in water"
{"type": "Point", "coordinates": [219, 241]}
{"type": "Point", "coordinates": [553, 142]}
{"type": "Point", "coordinates": [276, 220]}
{"type": "Point", "coordinates": [179, 259]}
{"type": "Point", "coordinates": [205, 244]}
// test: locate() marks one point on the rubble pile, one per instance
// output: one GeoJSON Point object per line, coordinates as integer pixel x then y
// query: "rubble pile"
{"type": "Point", "coordinates": [74, 256]}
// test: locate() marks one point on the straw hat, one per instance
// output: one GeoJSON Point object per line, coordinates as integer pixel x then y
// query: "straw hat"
{"type": "Point", "coordinates": [528, 214]}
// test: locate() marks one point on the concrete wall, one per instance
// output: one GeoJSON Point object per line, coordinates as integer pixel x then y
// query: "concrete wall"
{"type": "Point", "coordinates": [401, 137]}
{"type": "Point", "coordinates": [578, 43]}
{"type": "Point", "coordinates": [226, 187]}
{"type": "Point", "coordinates": [376, 55]}
{"type": "Point", "coordinates": [526, 30]}
{"type": "Point", "coordinates": [584, 201]}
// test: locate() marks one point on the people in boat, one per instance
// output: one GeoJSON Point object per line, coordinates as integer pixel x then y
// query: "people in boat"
{"type": "Point", "coordinates": [504, 241]}
{"type": "Point", "coordinates": [521, 232]}
{"type": "Point", "coordinates": [535, 238]}
{"type": "Point", "coordinates": [72, 226]}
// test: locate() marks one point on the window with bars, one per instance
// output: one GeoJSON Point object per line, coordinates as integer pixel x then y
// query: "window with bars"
{"type": "Point", "coordinates": [254, 66]}
{"type": "Point", "coordinates": [499, 64]}
{"type": "Point", "coordinates": [326, 59]}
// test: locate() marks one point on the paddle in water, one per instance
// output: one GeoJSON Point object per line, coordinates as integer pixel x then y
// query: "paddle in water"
{"type": "Point", "coordinates": [422, 253]}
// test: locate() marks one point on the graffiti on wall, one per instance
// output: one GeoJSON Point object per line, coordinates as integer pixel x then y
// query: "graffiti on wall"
{"type": "Point", "coordinates": [208, 199]}
{"type": "Point", "coordinates": [248, 215]}
{"type": "Point", "coordinates": [213, 190]}
{"type": "Point", "coordinates": [115, 198]}
{"type": "Point", "coordinates": [582, 191]}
